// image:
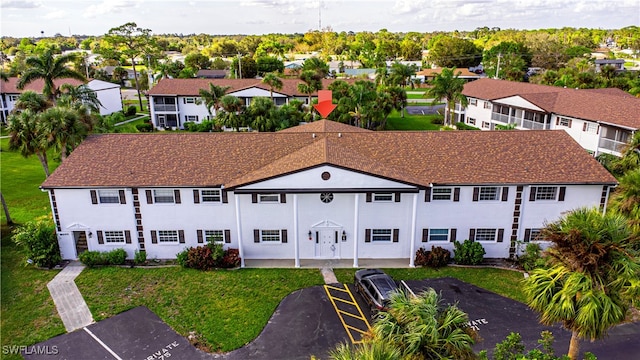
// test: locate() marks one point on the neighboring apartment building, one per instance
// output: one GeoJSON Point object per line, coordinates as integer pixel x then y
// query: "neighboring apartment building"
{"type": "Point", "coordinates": [323, 190]}
{"type": "Point", "coordinates": [601, 120]}
{"type": "Point", "coordinates": [108, 94]}
{"type": "Point", "coordinates": [176, 101]}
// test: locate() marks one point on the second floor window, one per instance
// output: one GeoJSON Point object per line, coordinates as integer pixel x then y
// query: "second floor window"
{"type": "Point", "coordinates": [163, 196]}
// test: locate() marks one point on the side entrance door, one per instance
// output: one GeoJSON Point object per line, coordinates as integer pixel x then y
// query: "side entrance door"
{"type": "Point", "coordinates": [327, 246]}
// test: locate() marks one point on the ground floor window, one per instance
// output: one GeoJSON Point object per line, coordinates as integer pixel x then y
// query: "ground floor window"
{"type": "Point", "coordinates": [214, 236]}
{"type": "Point", "coordinates": [168, 236]}
{"type": "Point", "coordinates": [381, 235]}
{"type": "Point", "coordinates": [111, 237]}
{"type": "Point", "coordinates": [438, 234]}
{"type": "Point", "coordinates": [485, 235]}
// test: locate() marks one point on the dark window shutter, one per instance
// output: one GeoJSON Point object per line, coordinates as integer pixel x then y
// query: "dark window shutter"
{"type": "Point", "coordinates": [254, 198]}
{"type": "Point", "coordinates": [127, 236]}
{"type": "Point", "coordinates": [395, 235]}
{"type": "Point", "coordinates": [557, 121]}
{"type": "Point", "coordinates": [176, 195]}
{"type": "Point", "coordinates": [505, 193]}
{"type": "Point", "coordinates": [456, 194]}
{"type": "Point", "coordinates": [532, 193]}
{"type": "Point", "coordinates": [283, 198]}
{"type": "Point", "coordinates": [472, 234]}
{"type": "Point", "coordinates": [476, 193]}
{"type": "Point", "coordinates": [427, 194]}
{"type": "Point", "coordinates": [283, 236]}
{"type": "Point", "coordinates": [336, 237]}
{"type": "Point", "coordinates": [154, 237]}
{"type": "Point", "coordinates": [227, 236]}
{"type": "Point", "coordinates": [425, 235]}
{"type": "Point", "coordinates": [584, 126]}
{"type": "Point", "coordinates": [123, 199]}
{"type": "Point", "coordinates": [453, 236]}
{"type": "Point", "coordinates": [570, 121]}
{"type": "Point", "coordinates": [94, 197]}
{"type": "Point", "coordinates": [563, 190]}
{"type": "Point", "coordinates": [200, 237]}
{"type": "Point", "coordinates": [367, 235]}
{"type": "Point", "coordinates": [500, 235]}
{"type": "Point", "coordinates": [181, 236]}
{"type": "Point", "coordinates": [317, 237]}
{"type": "Point", "coordinates": [397, 199]}
{"type": "Point", "coordinates": [368, 197]}
{"type": "Point", "coordinates": [196, 196]}
{"type": "Point", "coordinates": [225, 198]}
{"type": "Point", "coordinates": [527, 235]}
{"type": "Point", "coordinates": [256, 236]}
{"type": "Point", "coordinates": [149, 196]}
{"type": "Point", "coordinates": [100, 237]}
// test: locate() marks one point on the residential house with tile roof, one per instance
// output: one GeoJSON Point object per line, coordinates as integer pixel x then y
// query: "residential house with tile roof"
{"type": "Point", "coordinates": [176, 101]}
{"type": "Point", "coordinates": [108, 94]}
{"type": "Point", "coordinates": [601, 120]}
{"type": "Point", "coordinates": [323, 190]}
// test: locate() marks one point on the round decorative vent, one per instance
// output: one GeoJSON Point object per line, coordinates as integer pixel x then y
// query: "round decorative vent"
{"type": "Point", "coordinates": [326, 197]}
{"type": "Point", "coordinates": [326, 175]}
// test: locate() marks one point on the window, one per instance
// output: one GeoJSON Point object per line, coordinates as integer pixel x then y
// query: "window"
{"type": "Point", "coordinates": [269, 198]}
{"type": "Point", "coordinates": [487, 105]}
{"type": "Point", "coordinates": [210, 195]}
{"type": "Point", "coordinates": [471, 121]}
{"type": "Point", "coordinates": [486, 125]}
{"type": "Point", "coordinates": [111, 237]}
{"type": "Point", "coordinates": [382, 197]}
{"type": "Point", "coordinates": [532, 235]}
{"type": "Point", "coordinates": [168, 236]}
{"type": "Point", "coordinates": [109, 196]}
{"type": "Point", "coordinates": [214, 236]}
{"type": "Point", "coordinates": [189, 100]}
{"type": "Point", "coordinates": [163, 196]}
{"type": "Point", "coordinates": [546, 193]}
{"type": "Point", "coordinates": [563, 122]}
{"type": "Point", "coordinates": [473, 102]}
{"type": "Point", "coordinates": [488, 193]}
{"type": "Point", "coordinates": [441, 193]}
{"type": "Point", "coordinates": [381, 235]}
{"type": "Point", "coordinates": [438, 234]}
{"type": "Point", "coordinates": [270, 236]}
{"type": "Point", "coordinates": [191, 118]}
{"type": "Point", "coordinates": [13, 98]}
{"type": "Point", "coordinates": [485, 235]}
{"type": "Point", "coordinates": [590, 127]}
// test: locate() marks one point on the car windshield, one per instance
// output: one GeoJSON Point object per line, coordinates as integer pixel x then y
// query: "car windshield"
{"type": "Point", "coordinates": [384, 284]}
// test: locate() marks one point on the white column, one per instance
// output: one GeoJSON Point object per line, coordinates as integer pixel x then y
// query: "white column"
{"type": "Point", "coordinates": [356, 229]}
{"type": "Point", "coordinates": [239, 229]}
{"type": "Point", "coordinates": [296, 239]}
{"type": "Point", "coordinates": [413, 230]}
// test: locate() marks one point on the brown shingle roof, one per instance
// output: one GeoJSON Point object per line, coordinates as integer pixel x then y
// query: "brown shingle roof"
{"type": "Point", "coordinates": [605, 105]}
{"type": "Point", "coordinates": [324, 126]}
{"type": "Point", "coordinates": [11, 86]}
{"type": "Point", "coordinates": [419, 158]}
{"type": "Point", "coordinates": [191, 87]}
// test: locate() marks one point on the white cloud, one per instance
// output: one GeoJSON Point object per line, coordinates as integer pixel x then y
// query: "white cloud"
{"type": "Point", "coordinates": [109, 7]}
{"type": "Point", "coordinates": [59, 14]}
{"type": "Point", "coordinates": [20, 4]}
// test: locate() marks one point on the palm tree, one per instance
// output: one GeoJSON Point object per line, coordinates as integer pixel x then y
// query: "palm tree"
{"type": "Point", "coordinates": [401, 73]}
{"type": "Point", "coordinates": [447, 86]}
{"type": "Point", "coordinates": [312, 83]}
{"type": "Point", "coordinates": [30, 100]}
{"type": "Point", "coordinates": [61, 129]}
{"type": "Point", "coordinates": [626, 198]}
{"type": "Point", "coordinates": [49, 68]}
{"type": "Point", "coordinates": [80, 95]}
{"type": "Point", "coordinates": [592, 278]}
{"type": "Point", "coordinates": [24, 136]}
{"type": "Point", "coordinates": [273, 81]}
{"type": "Point", "coordinates": [261, 110]}
{"type": "Point", "coordinates": [232, 107]}
{"type": "Point", "coordinates": [374, 350]}
{"type": "Point", "coordinates": [212, 96]}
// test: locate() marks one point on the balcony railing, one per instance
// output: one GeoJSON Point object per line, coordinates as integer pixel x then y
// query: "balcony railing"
{"type": "Point", "coordinates": [611, 145]}
{"type": "Point", "coordinates": [503, 118]}
{"type": "Point", "coordinates": [165, 107]}
{"type": "Point", "coordinates": [532, 125]}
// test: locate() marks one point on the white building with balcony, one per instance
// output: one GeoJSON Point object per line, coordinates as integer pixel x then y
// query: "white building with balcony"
{"type": "Point", "coordinates": [600, 120]}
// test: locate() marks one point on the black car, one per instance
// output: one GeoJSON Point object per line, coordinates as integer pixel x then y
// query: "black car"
{"type": "Point", "coordinates": [375, 287]}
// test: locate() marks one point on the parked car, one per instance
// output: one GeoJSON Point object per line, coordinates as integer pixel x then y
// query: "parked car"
{"type": "Point", "coordinates": [376, 287]}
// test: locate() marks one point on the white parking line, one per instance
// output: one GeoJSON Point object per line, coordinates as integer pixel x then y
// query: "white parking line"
{"type": "Point", "coordinates": [102, 344]}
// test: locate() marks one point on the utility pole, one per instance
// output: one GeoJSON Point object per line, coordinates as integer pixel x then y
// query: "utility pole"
{"type": "Point", "coordinates": [498, 67]}
{"type": "Point", "coordinates": [239, 67]}
{"type": "Point", "coordinates": [319, 15]}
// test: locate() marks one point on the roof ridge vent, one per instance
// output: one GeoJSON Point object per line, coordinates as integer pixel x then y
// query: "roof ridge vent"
{"type": "Point", "coordinates": [339, 135]}
{"type": "Point", "coordinates": [313, 135]}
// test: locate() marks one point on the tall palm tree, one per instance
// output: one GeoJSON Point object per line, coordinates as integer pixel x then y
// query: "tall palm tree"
{"type": "Point", "coordinates": [447, 86]}
{"type": "Point", "coordinates": [422, 328]}
{"type": "Point", "coordinates": [273, 81]}
{"type": "Point", "coordinates": [402, 73]}
{"type": "Point", "coordinates": [212, 97]}
{"type": "Point", "coordinates": [61, 129]}
{"type": "Point", "coordinates": [49, 68]}
{"type": "Point", "coordinates": [231, 115]}
{"type": "Point", "coordinates": [592, 278]}
{"type": "Point", "coordinates": [626, 198]}
{"type": "Point", "coordinates": [312, 83]}
{"type": "Point", "coordinates": [80, 95]}
{"type": "Point", "coordinates": [261, 110]}
{"type": "Point", "coordinates": [25, 137]}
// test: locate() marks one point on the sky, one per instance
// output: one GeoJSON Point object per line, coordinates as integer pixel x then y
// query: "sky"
{"type": "Point", "coordinates": [31, 18]}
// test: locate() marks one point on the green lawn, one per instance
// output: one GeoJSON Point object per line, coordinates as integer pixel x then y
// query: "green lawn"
{"type": "Point", "coordinates": [412, 122]}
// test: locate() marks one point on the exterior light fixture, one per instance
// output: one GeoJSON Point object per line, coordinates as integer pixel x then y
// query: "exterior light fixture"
{"type": "Point", "coordinates": [344, 236]}
{"type": "Point", "coordinates": [309, 234]}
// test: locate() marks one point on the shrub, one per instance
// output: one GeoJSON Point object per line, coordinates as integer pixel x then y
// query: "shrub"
{"type": "Point", "coordinates": [438, 257]}
{"type": "Point", "coordinates": [201, 258]}
{"type": "Point", "coordinates": [468, 253]}
{"type": "Point", "coordinates": [531, 259]}
{"type": "Point", "coordinates": [421, 257]}
{"type": "Point", "coordinates": [131, 110]}
{"type": "Point", "coordinates": [145, 127]}
{"type": "Point", "coordinates": [182, 256]}
{"type": "Point", "coordinates": [116, 256]}
{"type": "Point", "coordinates": [40, 243]}
{"type": "Point", "coordinates": [139, 257]}
{"type": "Point", "coordinates": [217, 251]}
{"type": "Point", "coordinates": [92, 258]}
{"type": "Point", "coordinates": [230, 259]}
{"type": "Point", "coordinates": [463, 126]}
{"type": "Point", "coordinates": [437, 120]}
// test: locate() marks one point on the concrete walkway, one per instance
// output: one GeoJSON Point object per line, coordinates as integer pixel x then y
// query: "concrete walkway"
{"type": "Point", "coordinates": [71, 306]}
